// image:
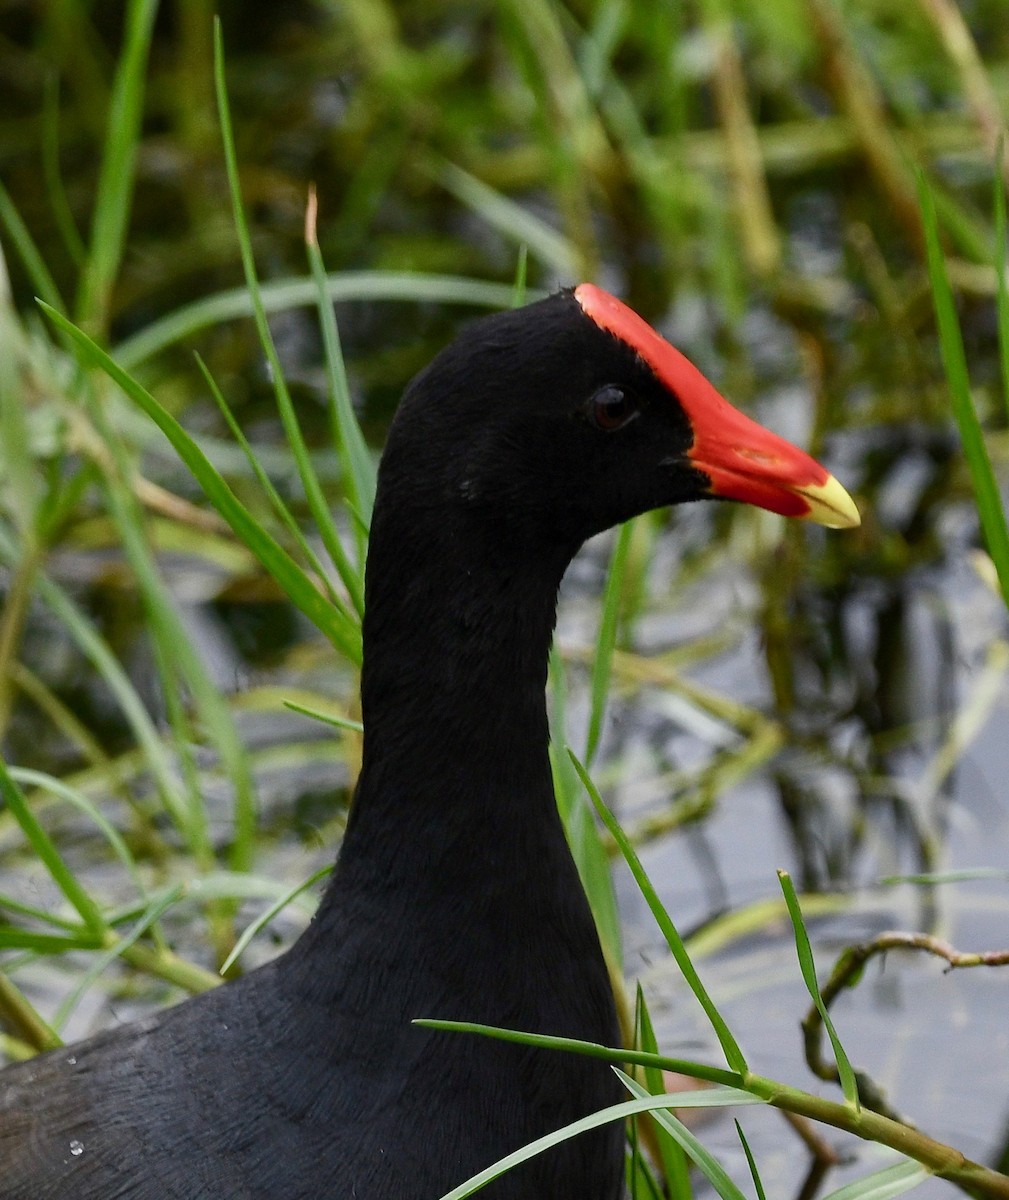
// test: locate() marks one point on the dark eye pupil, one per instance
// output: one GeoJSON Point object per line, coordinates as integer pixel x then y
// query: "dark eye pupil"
{"type": "Point", "coordinates": [612, 407]}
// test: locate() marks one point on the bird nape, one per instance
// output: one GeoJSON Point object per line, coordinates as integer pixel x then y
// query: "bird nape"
{"type": "Point", "coordinates": [454, 894]}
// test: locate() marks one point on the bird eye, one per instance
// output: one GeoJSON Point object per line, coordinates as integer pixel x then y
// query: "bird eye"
{"type": "Point", "coordinates": [612, 407]}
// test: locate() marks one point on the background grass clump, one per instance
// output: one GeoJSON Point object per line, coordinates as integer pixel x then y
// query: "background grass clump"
{"type": "Point", "coordinates": [800, 194]}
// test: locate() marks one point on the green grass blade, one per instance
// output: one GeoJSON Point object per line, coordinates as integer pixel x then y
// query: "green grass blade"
{"type": "Point", "coordinates": [179, 660]}
{"type": "Point", "coordinates": [31, 257]}
{"type": "Point", "coordinates": [96, 650]}
{"type": "Point", "coordinates": [116, 177]}
{"type": "Point", "coordinates": [586, 845]}
{"type": "Point", "coordinates": [708, 1165]}
{"type": "Point", "coordinates": [617, 1112]}
{"type": "Point", "coordinates": [607, 639]}
{"type": "Point", "coordinates": [1002, 271]}
{"type": "Point", "coordinates": [696, 1070]}
{"type": "Point", "coordinates": [171, 665]}
{"type": "Point", "coordinates": [317, 503]}
{"type": "Point", "coordinates": [674, 1159]}
{"type": "Point", "coordinates": [885, 1184]}
{"type": "Point", "coordinates": [986, 492]}
{"type": "Point", "coordinates": [98, 967]}
{"type": "Point", "coordinates": [326, 718]}
{"type": "Point", "coordinates": [282, 294]}
{"type": "Point", "coordinates": [521, 276]}
{"type": "Point", "coordinates": [51, 858]}
{"type": "Point", "coordinates": [28, 1029]}
{"type": "Point", "coordinates": [335, 623]}
{"type": "Point", "coordinates": [268, 914]}
{"type": "Point", "coordinates": [10, 904]}
{"type": "Point", "coordinates": [639, 1178]}
{"type": "Point", "coordinates": [358, 465]}
{"type": "Point", "coordinates": [730, 1047]}
{"type": "Point", "coordinates": [510, 219]}
{"type": "Point", "coordinates": [284, 514]}
{"type": "Point", "coordinates": [751, 1162]}
{"type": "Point", "coordinates": [27, 777]}
{"type": "Point", "coordinates": [933, 878]}
{"type": "Point", "coordinates": [55, 191]}
{"type": "Point", "coordinates": [807, 966]}
{"type": "Point", "coordinates": [47, 943]}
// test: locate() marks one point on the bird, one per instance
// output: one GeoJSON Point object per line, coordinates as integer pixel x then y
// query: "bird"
{"type": "Point", "coordinates": [454, 893]}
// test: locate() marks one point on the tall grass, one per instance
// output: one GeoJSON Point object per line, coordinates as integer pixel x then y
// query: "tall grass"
{"type": "Point", "coordinates": [656, 147]}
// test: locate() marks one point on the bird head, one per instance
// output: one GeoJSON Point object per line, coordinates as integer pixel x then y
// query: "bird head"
{"type": "Point", "coordinates": [562, 418]}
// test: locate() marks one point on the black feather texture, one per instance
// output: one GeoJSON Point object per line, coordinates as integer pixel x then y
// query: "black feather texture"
{"type": "Point", "coordinates": [455, 895]}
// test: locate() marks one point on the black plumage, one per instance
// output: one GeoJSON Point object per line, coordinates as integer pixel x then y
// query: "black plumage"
{"type": "Point", "coordinates": [455, 894]}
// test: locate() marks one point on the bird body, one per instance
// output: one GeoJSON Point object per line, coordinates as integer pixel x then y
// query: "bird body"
{"type": "Point", "coordinates": [455, 895]}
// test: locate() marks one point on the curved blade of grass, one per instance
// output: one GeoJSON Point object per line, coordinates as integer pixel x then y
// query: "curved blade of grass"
{"type": "Point", "coordinates": [157, 759]}
{"type": "Point", "coordinates": [883, 1185]}
{"type": "Point", "coordinates": [111, 209]}
{"type": "Point", "coordinates": [941, 1159]}
{"type": "Point", "coordinates": [268, 914]}
{"type": "Point", "coordinates": [9, 904]}
{"type": "Point", "coordinates": [46, 850]}
{"type": "Point", "coordinates": [279, 507]}
{"type": "Point", "coordinates": [1002, 270]}
{"type": "Point", "coordinates": [708, 1165]}
{"type": "Point", "coordinates": [730, 1047]}
{"type": "Point", "coordinates": [617, 1112]}
{"type": "Point", "coordinates": [751, 1162]}
{"type": "Point", "coordinates": [57, 787]}
{"type": "Point", "coordinates": [511, 219]}
{"type": "Point", "coordinates": [282, 294]}
{"type": "Point", "coordinates": [24, 485]}
{"type": "Point", "coordinates": [606, 641]}
{"type": "Point", "coordinates": [318, 506]}
{"type": "Point", "coordinates": [582, 832]}
{"type": "Point", "coordinates": [357, 464]}
{"type": "Point", "coordinates": [47, 943]}
{"type": "Point", "coordinates": [521, 272]}
{"type": "Point", "coordinates": [808, 968]}
{"type": "Point", "coordinates": [546, 1041]}
{"type": "Point", "coordinates": [589, 854]}
{"type": "Point", "coordinates": [932, 878]}
{"type": "Point", "coordinates": [203, 889]}
{"type": "Point", "coordinates": [674, 1162]}
{"type": "Point", "coordinates": [97, 968]}
{"type": "Point", "coordinates": [326, 718]}
{"type": "Point", "coordinates": [83, 633]}
{"type": "Point", "coordinates": [639, 1178]}
{"type": "Point", "coordinates": [986, 492]}
{"type": "Point", "coordinates": [31, 257]}
{"type": "Point", "coordinates": [55, 190]}
{"type": "Point", "coordinates": [335, 623]}
{"type": "Point", "coordinates": [180, 665]}
{"type": "Point", "coordinates": [22, 1019]}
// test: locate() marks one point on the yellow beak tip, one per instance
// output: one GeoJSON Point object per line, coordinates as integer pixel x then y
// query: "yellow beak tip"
{"type": "Point", "coordinates": [830, 505]}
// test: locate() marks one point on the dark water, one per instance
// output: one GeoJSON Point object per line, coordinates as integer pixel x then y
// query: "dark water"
{"type": "Point", "coordinates": [842, 811]}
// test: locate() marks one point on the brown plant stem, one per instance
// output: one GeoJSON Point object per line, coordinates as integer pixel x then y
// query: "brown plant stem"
{"type": "Point", "coordinates": [751, 197]}
{"type": "Point", "coordinates": [859, 98]}
{"type": "Point", "coordinates": [959, 44]}
{"type": "Point", "coordinates": [848, 969]}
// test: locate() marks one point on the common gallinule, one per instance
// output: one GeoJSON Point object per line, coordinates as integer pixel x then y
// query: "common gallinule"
{"type": "Point", "coordinates": [455, 894]}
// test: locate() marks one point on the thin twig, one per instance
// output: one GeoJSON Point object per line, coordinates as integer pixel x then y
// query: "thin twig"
{"type": "Point", "coordinates": [846, 973]}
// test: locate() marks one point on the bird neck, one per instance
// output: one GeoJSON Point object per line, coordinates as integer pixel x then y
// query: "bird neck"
{"type": "Point", "coordinates": [452, 689]}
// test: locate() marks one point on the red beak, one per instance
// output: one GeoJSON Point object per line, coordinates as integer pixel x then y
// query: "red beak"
{"type": "Point", "coordinates": [743, 460]}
